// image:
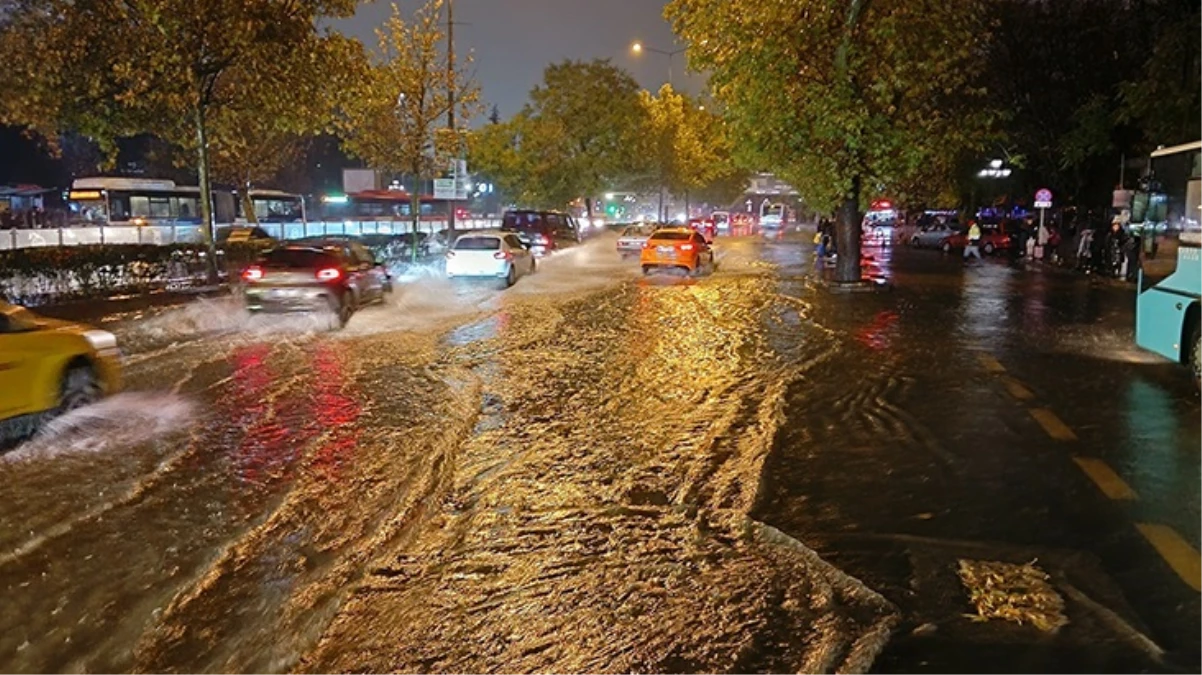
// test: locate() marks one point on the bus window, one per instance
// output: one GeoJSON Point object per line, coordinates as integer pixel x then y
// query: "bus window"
{"type": "Point", "coordinates": [188, 208]}
{"type": "Point", "coordinates": [119, 207]}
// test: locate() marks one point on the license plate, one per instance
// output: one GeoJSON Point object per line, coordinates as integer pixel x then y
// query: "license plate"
{"type": "Point", "coordinates": [283, 293]}
{"type": "Point", "coordinates": [667, 250]}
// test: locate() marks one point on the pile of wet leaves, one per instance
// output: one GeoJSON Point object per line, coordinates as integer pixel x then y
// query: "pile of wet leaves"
{"type": "Point", "coordinates": [1021, 594]}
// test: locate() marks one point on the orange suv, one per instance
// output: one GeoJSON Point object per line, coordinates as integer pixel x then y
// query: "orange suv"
{"type": "Point", "coordinates": [676, 248]}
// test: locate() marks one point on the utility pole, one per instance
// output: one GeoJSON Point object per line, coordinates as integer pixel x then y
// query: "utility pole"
{"type": "Point", "coordinates": [451, 114]}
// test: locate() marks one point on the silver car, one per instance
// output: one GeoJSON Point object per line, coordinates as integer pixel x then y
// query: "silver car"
{"type": "Point", "coordinates": [932, 236]}
{"type": "Point", "coordinates": [631, 241]}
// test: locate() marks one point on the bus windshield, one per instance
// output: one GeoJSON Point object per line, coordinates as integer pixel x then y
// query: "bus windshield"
{"type": "Point", "coordinates": [1167, 205]}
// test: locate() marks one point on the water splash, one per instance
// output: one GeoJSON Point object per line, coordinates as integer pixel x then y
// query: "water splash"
{"type": "Point", "coordinates": [120, 421]}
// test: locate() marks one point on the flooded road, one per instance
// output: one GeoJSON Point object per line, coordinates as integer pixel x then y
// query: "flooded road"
{"type": "Point", "coordinates": [593, 471]}
{"type": "Point", "coordinates": [564, 468]}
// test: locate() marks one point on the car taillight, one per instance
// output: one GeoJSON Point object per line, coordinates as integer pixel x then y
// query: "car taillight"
{"type": "Point", "coordinates": [252, 273]}
{"type": "Point", "coordinates": [646, 244]}
{"type": "Point", "coordinates": [503, 255]}
{"type": "Point", "coordinates": [329, 273]}
{"type": "Point", "coordinates": [542, 239]}
{"type": "Point", "coordinates": [450, 254]}
{"type": "Point", "coordinates": [686, 247]}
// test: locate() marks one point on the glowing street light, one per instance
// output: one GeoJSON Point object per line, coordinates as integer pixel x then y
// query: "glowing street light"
{"type": "Point", "coordinates": [638, 48]}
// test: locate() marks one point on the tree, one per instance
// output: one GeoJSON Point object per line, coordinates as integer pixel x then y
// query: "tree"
{"type": "Point", "coordinates": [1053, 69]}
{"type": "Point", "coordinates": [577, 137]}
{"type": "Point", "coordinates": [588, 114]}
{"type": "Point", "coordinates": [845, 99]}
{"type": "Point", "coordinates": [394, 117]}
{"type": "Point", "coordinates": [1163, 97]}
{"type": "Point", "coordinates": [685, 146]}
{"type": "Point", "coordinates": [170, 67]}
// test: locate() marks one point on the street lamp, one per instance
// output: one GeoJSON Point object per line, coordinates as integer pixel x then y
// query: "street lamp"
{"type": "Point", "coordinates": [639, 48]}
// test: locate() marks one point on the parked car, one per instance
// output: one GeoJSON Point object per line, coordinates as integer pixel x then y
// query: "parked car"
{"type": "Point", "coordinates": [49, 367]}
{"type": "Point", "coordinates": [676, 248]}
{"type": "Point", "coordinates": [543, 232]}
{"type": "Point", "coordinates": [931, 236]}
{"type": "Point", "coordinates": [992, 239]}
{"type": "Point", "coordinates": [493, 255]}
{"type": "Point", "coordinates": [631, 241]}
{"type": "Point", "coordinates": [335, 276]}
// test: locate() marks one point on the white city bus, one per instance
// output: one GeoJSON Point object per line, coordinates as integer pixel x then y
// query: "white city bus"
{"type": "Point", "coordinates": [273, 206]}
{"type": "Point", "coordinates": [108, 201]}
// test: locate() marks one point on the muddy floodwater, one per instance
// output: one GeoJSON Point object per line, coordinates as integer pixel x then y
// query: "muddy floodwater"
{"type": "Point", "coordinates": [592, 471]}
{"type": "Point", "coordinates": [554, 477]}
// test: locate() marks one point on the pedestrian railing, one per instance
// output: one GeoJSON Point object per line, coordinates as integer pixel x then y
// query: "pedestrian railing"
{"type": "Point", "coordinates": [161, 235]}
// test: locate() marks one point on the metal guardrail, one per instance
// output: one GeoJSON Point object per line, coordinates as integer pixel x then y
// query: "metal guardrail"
{"type": "Point", "coordinates": [162, 235]}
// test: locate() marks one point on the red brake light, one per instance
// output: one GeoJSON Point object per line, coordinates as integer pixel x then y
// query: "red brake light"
{"type": "Point", "coordinates": [542, 239]}
{"type": "Point", "coordinates": [253, 273]}
{"type": "Point", "coordinates": [329, 273]}
{"type": "Point", "coordinates": [503, 255]}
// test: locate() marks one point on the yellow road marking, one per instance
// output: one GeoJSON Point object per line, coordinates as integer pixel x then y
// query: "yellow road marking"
{"type": "Point", "coordinates": [1017, 389]}
{"type": "Point", "coordinates": [1052, 424]}
{"type": "Point", "coordinates": [1106, 479]}
{"type": "Point", "coordinates": [1182, 557]}
{"type": "Point", "coordinates": [990, 364]}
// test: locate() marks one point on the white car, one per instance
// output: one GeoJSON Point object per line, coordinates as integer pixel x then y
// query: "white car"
{"type": "Point", "coordinates": [495, 255]}
{"type": "Point", "coordinates": [630, 243]}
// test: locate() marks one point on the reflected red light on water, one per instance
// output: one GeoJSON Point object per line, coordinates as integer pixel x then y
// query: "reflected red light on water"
{"type": "Point", "coordinates": [336, 414]}
{"type": "Point", "coordinates": [878, 335]}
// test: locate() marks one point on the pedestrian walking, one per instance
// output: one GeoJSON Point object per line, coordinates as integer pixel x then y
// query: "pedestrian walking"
{"type": "Point", "coordinates": [1114, 250]}
{"type": "Point", "coordinates": [1085, 250]}
{"type": "Point", "coordinates": [972, 248]}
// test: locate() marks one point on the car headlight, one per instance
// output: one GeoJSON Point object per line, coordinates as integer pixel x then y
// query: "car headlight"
{"type": "Point", "coordinates": [104, 342]}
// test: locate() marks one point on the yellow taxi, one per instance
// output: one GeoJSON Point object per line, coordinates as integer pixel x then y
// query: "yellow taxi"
{"type": "Point", "coordinates": [676, 248]}
{"type": "Point", "coordinates": [49, 367]}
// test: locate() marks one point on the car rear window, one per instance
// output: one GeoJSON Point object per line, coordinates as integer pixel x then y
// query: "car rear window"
{"type": "Point", "coordinates": [523, 221]}
{"type": "Point", "coordinates": [478, 244]}
{"type": "Point", "coordinates": [673, 236]}
{"type": "Point", "coordinates": [298, 258]}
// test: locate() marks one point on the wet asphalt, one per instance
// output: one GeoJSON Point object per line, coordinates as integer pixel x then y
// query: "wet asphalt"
{"type": "Point", "coordinates": [599, 471]}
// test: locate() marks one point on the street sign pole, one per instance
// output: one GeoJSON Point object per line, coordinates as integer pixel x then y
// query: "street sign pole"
{"type": "Point", "coordinates": [1043, 202]}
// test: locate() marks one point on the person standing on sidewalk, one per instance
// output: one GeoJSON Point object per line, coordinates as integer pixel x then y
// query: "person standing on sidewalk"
{"type": "Point", "coordinates": [972, 248]}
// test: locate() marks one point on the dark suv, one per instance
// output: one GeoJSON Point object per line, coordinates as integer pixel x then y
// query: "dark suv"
{"type": "Point", "coordinates": [542, 231]}
{"type": "Point", "coordinates": [316, 275]}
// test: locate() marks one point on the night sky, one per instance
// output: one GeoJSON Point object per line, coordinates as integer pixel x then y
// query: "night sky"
{"type": "Point", "coordinates": [513, 40]}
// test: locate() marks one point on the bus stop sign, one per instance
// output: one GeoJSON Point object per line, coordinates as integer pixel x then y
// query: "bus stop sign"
{"type": "Point", "coordinates": [1043, 199]}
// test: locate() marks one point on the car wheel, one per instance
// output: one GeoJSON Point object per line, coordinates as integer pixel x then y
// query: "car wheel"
{"type": "Point", "coordinates": [947, 247]}
{"type": "Point", "coordinates": [511, 277]}
{"type": "Point", "coordinates": [988, 248]}
{"type": "Point", "coordinates": [914, 242]}
{"type": "Point", "coordinates": [340, 311]}
{"type": "Point", "coordinates": [1195, 354]}
{"type": "Point", "coordinates": [646, 270]}
{"type": "Point", "coordinates": [80, 387]}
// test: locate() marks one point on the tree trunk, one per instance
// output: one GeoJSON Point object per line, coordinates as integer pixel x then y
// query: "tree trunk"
{"type": "Point", "coordinates": [588, 210]}
{"type": "Point", "coordinates": [847, 233]}
{"type": "Point", "coordinates": [415, 209]}
{"type": "Point", "coordinates": [687, 212]}
{"type": "Point", "coordinates": [206, 194]}
{"type": "Point", "coordinates": [248, 206]}
{"type": "Point", "coordinates": [660, 216]}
